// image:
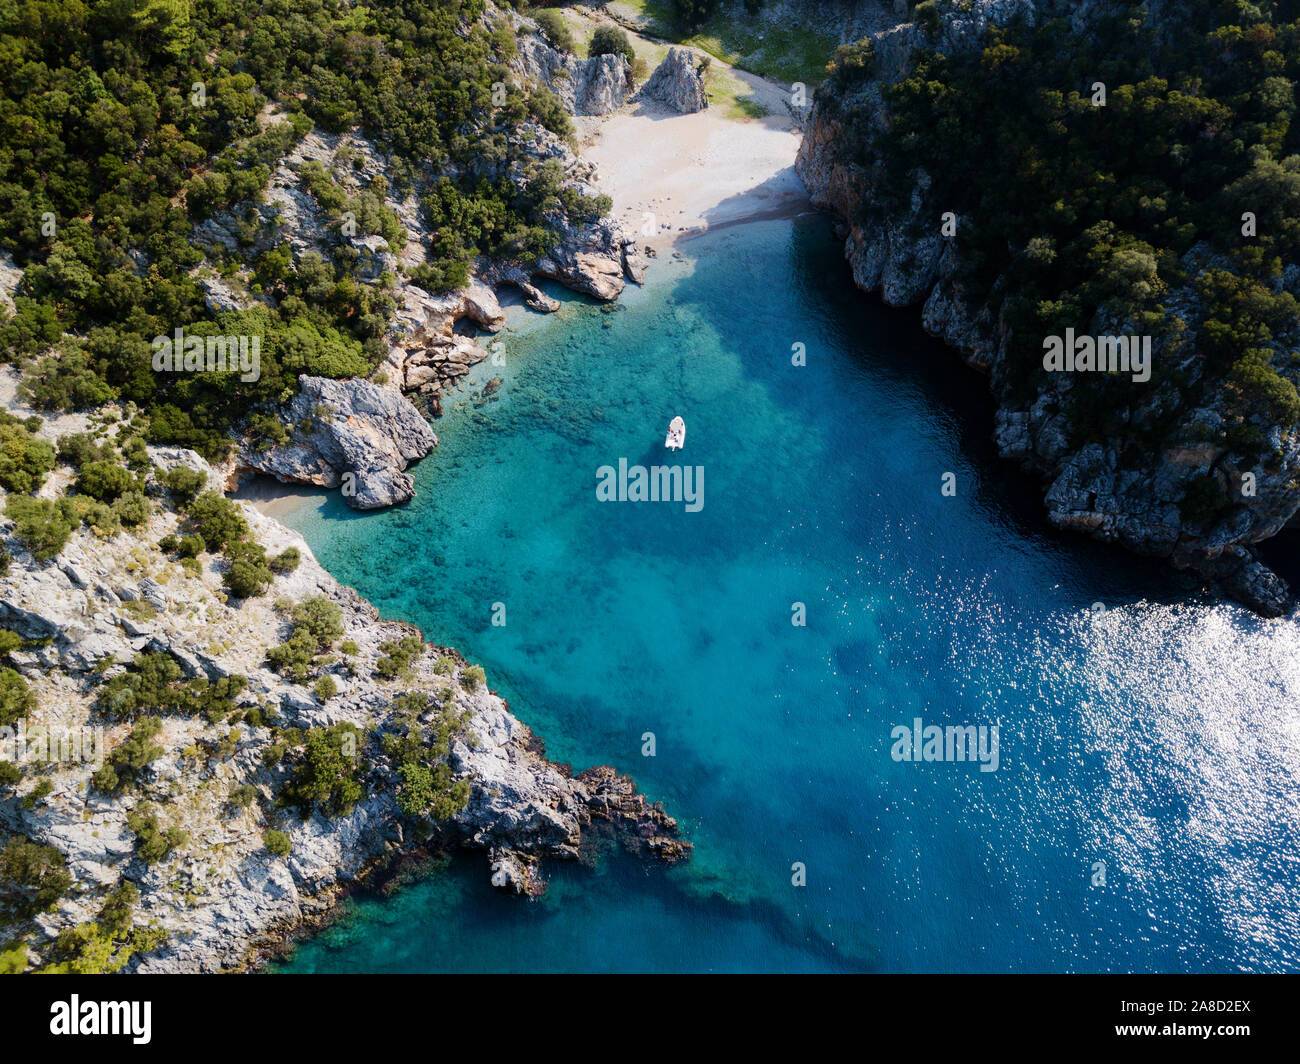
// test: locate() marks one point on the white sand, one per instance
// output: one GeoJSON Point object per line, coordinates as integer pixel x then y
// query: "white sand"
{"type": "Point", "coordinates": [700, 171]}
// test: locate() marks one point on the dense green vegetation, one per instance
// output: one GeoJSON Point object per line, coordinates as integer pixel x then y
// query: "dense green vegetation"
{"type": "Point", "coordinates": [317, 623]}
{"type": "Point", "coordinates": [609, 40]}
{"type": "Point", "coordinates": [154, 684]}
{"type": "Point", "coordinates": [32, 879]}
{"type": "Point", "coordinates": [108, 943]}
{"type": "Point", "coordinates": [420, 752]}
{"type": "Point", "coordinates": [125, 122]}
{"type": "Point", "coordinates": [327, 772]}
{"type": "Point", "coordinates": [1075, 212]}
{"type": "Point", "coordinates": [153, 842]}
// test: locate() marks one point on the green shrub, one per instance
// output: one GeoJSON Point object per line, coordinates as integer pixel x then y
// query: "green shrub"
{"type": "Point", "coordinates": [184, 484]}
{"type": "Point", "coordinates": [327, 773]}
{"type": "Point", "coordinates": [186, 546]}
{"type": "Point", "coordinates": [153, 843]}
{"type": "Point", "coordinates": [127, 764]}
{"type": "Point", "coordinates": [293, 657]}
{"type": "Point", "coordinates": [37, 794]}
{"type": "Point", "coordinates": [553, 28]}
{"type": "Point", "coordinates": [66, 381]}
{"type": "Point", "coordinates": [42, 525]}
{"type": "Point", "coordinates": [325, 688]}
{"type": "Point", "coordinates": [216, 520]}
{"type": "Point", "coordinates": [16, 698]}
{"type": "Point", "coordinates": [285, 562]}
{"type": "Point", "coordinates": [320, 618]}
{"type": "Point", "coordinates": [132, 510]}
{"type": "Point", "coordinates": [248, 573]}
{"type": "Point", "coordinates": [276, 842]}
{"type": "Point", "coordinates": [24, 458]}
{"type": "Point", "coordinates": [609, 40]}
{"type": "Point", "coordinates": [105, 481]}
{"type": "Point", "coordinates": [927, 17]}
{"type": "Point", "coordinates": [32, 878]}
{"type": "Point", "coordinates": [397, 655]}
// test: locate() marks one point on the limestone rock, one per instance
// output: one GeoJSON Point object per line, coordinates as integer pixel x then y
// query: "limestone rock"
{"type": "Point", "coordinates": [356, 428]}
{"type": "Point", "coordinates": [677, 83]}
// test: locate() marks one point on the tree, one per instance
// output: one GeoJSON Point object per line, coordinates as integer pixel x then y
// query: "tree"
{"type": "Point", "coordinates": [609, 40]}
{"type": "Point", "coordinates": [16, 698]}
{"type": "Point", "coordinates": [217, 520]}
{"type": "Point", "coordinates": [553, 28]}
{"type": "Point", "coordinates": [32, 877]}
{"type": "Point", "coordinates": [105, 481]}
{"type": "Point", "coordinates": [24, 458]}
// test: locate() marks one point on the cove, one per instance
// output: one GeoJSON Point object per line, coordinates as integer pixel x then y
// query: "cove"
{"type": "Point", "coordinates": [1156, 736]}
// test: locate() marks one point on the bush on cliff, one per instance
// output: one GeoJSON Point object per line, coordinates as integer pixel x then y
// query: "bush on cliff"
{"type": "Point", "coordinates": [553, 28]}
{"type": "Point", "coordinates": [16, 698]}
{"type": "Point", "coordinates": [610, 40]}
{"type": "Point", "coordinates": [32, 878]}
{"type": "Point", "coordinates": [42, 525]}
{"type": "Point", "coordinates": [327, 773]}
{"type": "Point", "coordinates": [154, 843]}
{"type": "Point", "coordinates": [24, 457]}
{"type": "Point", "coordinates": [128, 763]}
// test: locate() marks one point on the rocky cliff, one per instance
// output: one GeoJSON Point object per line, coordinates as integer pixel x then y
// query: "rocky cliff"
{"type": "Point", "coordinates": [587, 87]}
{"type": "Point", "coordinates": [1107, 490]}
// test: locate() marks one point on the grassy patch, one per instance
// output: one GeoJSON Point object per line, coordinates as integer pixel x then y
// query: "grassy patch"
{"type": "Point", "coordinates": [784, 49]}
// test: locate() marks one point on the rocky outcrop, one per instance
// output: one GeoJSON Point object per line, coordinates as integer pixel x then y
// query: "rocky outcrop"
{"type": "Point", "coordinates": [589, 87]}
{"type": "Point", "coordinates": [348, 434]}
{"type": "Point", "coordinates": [428, 354]}
{"type": "Point", "coordinates": [1105, 490]}
{"type": "Point", "coordinates": [603, 84]}
{"type": "Point", "coordinates": [593, 259]}
{"type": "Point", "coordinates": [11, 275]}
{"type": "Point", "coordinates": [220, 896]}
{"type": "Point", "coordinates": [677, 83]}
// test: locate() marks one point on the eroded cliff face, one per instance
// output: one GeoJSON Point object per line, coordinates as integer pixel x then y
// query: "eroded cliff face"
{"type": "Point", "coordinates": [1110, 491]}
{"type": "Point", "coordinates": [221, 894]}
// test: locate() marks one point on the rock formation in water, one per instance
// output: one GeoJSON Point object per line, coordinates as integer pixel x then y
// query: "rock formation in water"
{"type": "Point", "coordinates": [1104, 488]}
{"type": "Point", "coordinates": [677, 83]}
{"type": "Point", "coordinates": [350, 434]}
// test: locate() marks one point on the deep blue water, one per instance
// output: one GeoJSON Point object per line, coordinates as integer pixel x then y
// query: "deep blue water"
{"type": "Point", "coordinates": [1161, 735]}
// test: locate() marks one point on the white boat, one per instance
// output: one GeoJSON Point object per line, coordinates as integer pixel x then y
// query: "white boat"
{"type": "Point", "coordinates": [676, 434]}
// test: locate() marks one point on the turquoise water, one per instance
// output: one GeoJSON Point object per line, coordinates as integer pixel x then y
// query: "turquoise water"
{"type": "Point", "coordinates": [1158, 732]}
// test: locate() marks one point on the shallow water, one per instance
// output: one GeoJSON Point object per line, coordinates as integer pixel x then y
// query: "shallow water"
{"type": "Point", "coordinates": [1156, 732]}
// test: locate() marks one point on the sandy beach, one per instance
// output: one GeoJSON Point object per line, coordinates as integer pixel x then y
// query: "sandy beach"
{"type": "Point", "coordinates": [271, 497]}
{"type": "Point", "coordinates": [695, 172]}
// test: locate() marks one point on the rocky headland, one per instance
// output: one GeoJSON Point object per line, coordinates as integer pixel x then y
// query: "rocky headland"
{"type": "Point", "coordinates": [219, 895]}
{"type": "Point", "coordinates": [1135, 497]}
